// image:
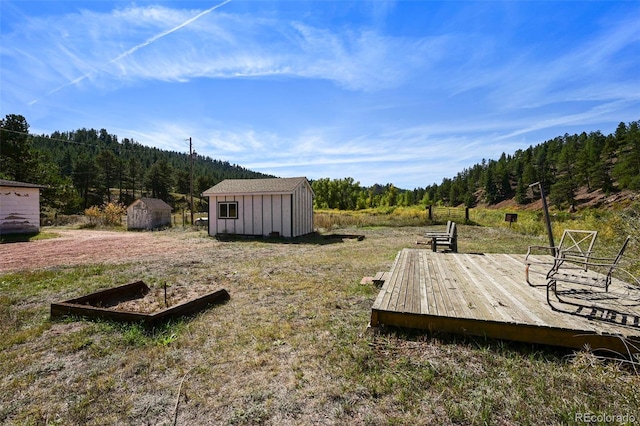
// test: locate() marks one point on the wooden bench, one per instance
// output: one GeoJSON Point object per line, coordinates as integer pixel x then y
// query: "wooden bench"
{"type": "Point", "coordinates": [448, 241]}
{"type": "Point", "coordinates": [440, 233]}
{"type": "Point", "coordinates": [573, 240]}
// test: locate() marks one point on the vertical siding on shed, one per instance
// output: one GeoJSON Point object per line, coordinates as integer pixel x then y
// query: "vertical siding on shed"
{"type": "Point", "coordinates": [160, 218]}
{"type": "Point", "coordinates": [267, 211]}
{"type": "Point", "coordinates": [300, 209]}
{"type": "Point", "coordinates": [290, 215]}
{"type": "Point", "coordinates": [138, 217]}
{"type": "Point", "coordinates": [246, 215]}
{"type": "Point", "coordinates": [234, 224]}
{"type": "Point", "coordinates": [141, 216]}
{"type": "Point", "coordinates": [213, 216]}
{"type": "Point", "coordinates": [258, 228]}
{"type": "Point", "coordinates": [239, 222]}
{"type": "Point", "coordinates": [276, 214]}
{"type": "Point", "coordinates": [309, 216]}
{"type": "Point", "coordinates": [286, 216]}
{"type": "Point", "coordinates": [303, 211]}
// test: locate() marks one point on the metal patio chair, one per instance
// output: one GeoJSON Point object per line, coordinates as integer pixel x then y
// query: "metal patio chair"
{"type": "Point", "coordinates": [572, 240]}
{"type": "Point", "coordinates": [582, 284]}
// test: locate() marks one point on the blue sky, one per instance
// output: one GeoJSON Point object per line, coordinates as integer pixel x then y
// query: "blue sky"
{"type": "Point", "coordinates": [406, 92]}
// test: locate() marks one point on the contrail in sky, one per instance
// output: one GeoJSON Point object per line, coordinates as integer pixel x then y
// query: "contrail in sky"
{"type": "Point", "coordinates": [136, 48]}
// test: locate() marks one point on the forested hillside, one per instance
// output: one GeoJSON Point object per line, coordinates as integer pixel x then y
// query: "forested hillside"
{"type": "Point", "coordinates": [565, 165]}
{"type": "Point", "coordinates": [88, 167]}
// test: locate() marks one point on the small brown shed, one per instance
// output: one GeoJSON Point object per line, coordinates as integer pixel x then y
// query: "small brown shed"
{"type": "Point", "coordinates": [148, 213]}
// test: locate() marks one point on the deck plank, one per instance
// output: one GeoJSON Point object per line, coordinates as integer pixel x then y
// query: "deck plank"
{"type": "Point", "coordinates": [496, 308]}
{"type": "Point", "coordinates": [422, 283]}
{"type": "Point", "coordinates": [409, 285]}
{"type": "Point", "coordinates": [387, 288]}
{"type": "Point", "coordinates": [488, 294]}
{"type": "Point", "coordinates": [432, 306]}
{"type": "Point", "coordinates": [442, 301]}
{"type": "Point", "coordinates": [457, 300]}
{"type": "Point", "coordinates": [400, 285]}
{"type": "Point", "coordinates": [506, 298]}
{"type": "Point", "coordinates": [415, 286]}
{"type": "Point", "coordinates": [470, 299]}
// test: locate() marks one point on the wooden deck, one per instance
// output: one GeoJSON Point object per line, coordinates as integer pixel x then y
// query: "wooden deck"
{"type": "Point", "coordinates": [487, 295]}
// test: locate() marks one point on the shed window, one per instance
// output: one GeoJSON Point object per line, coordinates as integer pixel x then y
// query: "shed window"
{"type": "Point", "coordinates": [228, 210]}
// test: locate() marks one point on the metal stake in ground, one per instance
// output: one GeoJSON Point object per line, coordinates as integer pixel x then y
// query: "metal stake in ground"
{"type": "Point", "coordinates": [165, 295]}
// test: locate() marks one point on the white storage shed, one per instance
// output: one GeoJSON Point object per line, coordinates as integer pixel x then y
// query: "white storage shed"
{"type": "Point", "coordinates": [268, 207]}
{"type": "Point", "coordinates": [148, 213]}
{"type": "Point", "coordinates": [19, 207]}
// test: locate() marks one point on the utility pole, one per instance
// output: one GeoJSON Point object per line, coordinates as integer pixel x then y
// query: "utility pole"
{"type": "Point", "coordinates": [191, 179]}
{"type": "Point", "coordinates": [546, 216]}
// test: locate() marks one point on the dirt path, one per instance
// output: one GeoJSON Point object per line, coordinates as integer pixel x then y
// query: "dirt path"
{"type": "Point", "coordinates": [75, 247]}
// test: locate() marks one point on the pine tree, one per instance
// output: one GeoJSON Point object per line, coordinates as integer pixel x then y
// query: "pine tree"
{"type": "Point", "coordinates": [108, 167]}
{"type": "Point", "coordinates": [84, 179]}
{"type": "Point", "coordinates": [134, 175]}
{"type": "Point", "coordinates": [521, 192]}
{"type": "Point", "coordinates": [627, 168]}
{"type": "Point", "coordinates": [17, 160]}
{"type": "Point", "coordinates": [159, 179]}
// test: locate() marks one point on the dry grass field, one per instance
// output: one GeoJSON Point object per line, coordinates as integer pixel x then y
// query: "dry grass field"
{"type": "Point", "coordinates": [291, 346]}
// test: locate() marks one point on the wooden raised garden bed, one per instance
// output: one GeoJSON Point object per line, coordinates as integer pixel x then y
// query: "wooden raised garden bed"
{"type": "Point", "coordinates": [104, 305]}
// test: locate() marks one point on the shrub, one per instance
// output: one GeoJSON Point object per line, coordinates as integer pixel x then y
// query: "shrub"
{"type": "Point", "coordinates": [112, 214]}
{"type": "Point", "coordinates": [93, 214]}
{"type": "Point", "coordinates": [109, 215]}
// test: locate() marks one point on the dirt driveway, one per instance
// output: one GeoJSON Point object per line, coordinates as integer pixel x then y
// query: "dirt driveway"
{"type": "Point", "coordinates": [75, 247]}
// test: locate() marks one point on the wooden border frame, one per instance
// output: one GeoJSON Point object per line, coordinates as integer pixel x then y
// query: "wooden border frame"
{"type": "Point", "coordinates": [85, 306]}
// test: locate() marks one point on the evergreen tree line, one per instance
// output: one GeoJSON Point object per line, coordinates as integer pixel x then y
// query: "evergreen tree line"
{"type": "Point", "coordinates": [562, 165]}
{"type": "Point", "coordinates": [87, 167]}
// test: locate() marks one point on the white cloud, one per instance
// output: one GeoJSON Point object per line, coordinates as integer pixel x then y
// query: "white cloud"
{"type": "Point", "coordinates": [155, 42]}
{"type": "Point", "coordinates": [395, 106]}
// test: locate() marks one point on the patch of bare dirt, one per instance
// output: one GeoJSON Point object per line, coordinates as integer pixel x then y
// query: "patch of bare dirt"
{"type": "Point", "coordinates": [83, 246]}
{"type": "Point", "coordinates": [584, 198]}
{"type": "Point", "coordinates": [155, 300]}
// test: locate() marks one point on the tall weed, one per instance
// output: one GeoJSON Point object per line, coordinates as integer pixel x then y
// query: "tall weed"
{"type": "Point", "coordinates": [612, 225]}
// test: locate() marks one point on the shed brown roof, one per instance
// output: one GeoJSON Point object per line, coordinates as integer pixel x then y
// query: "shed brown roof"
{"type": "Point", "coordinates": [152, 203]}
{"type": "Point", "coordinates": [255, 186]}
{"type": "Point", "coordinates": [4, 182]}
